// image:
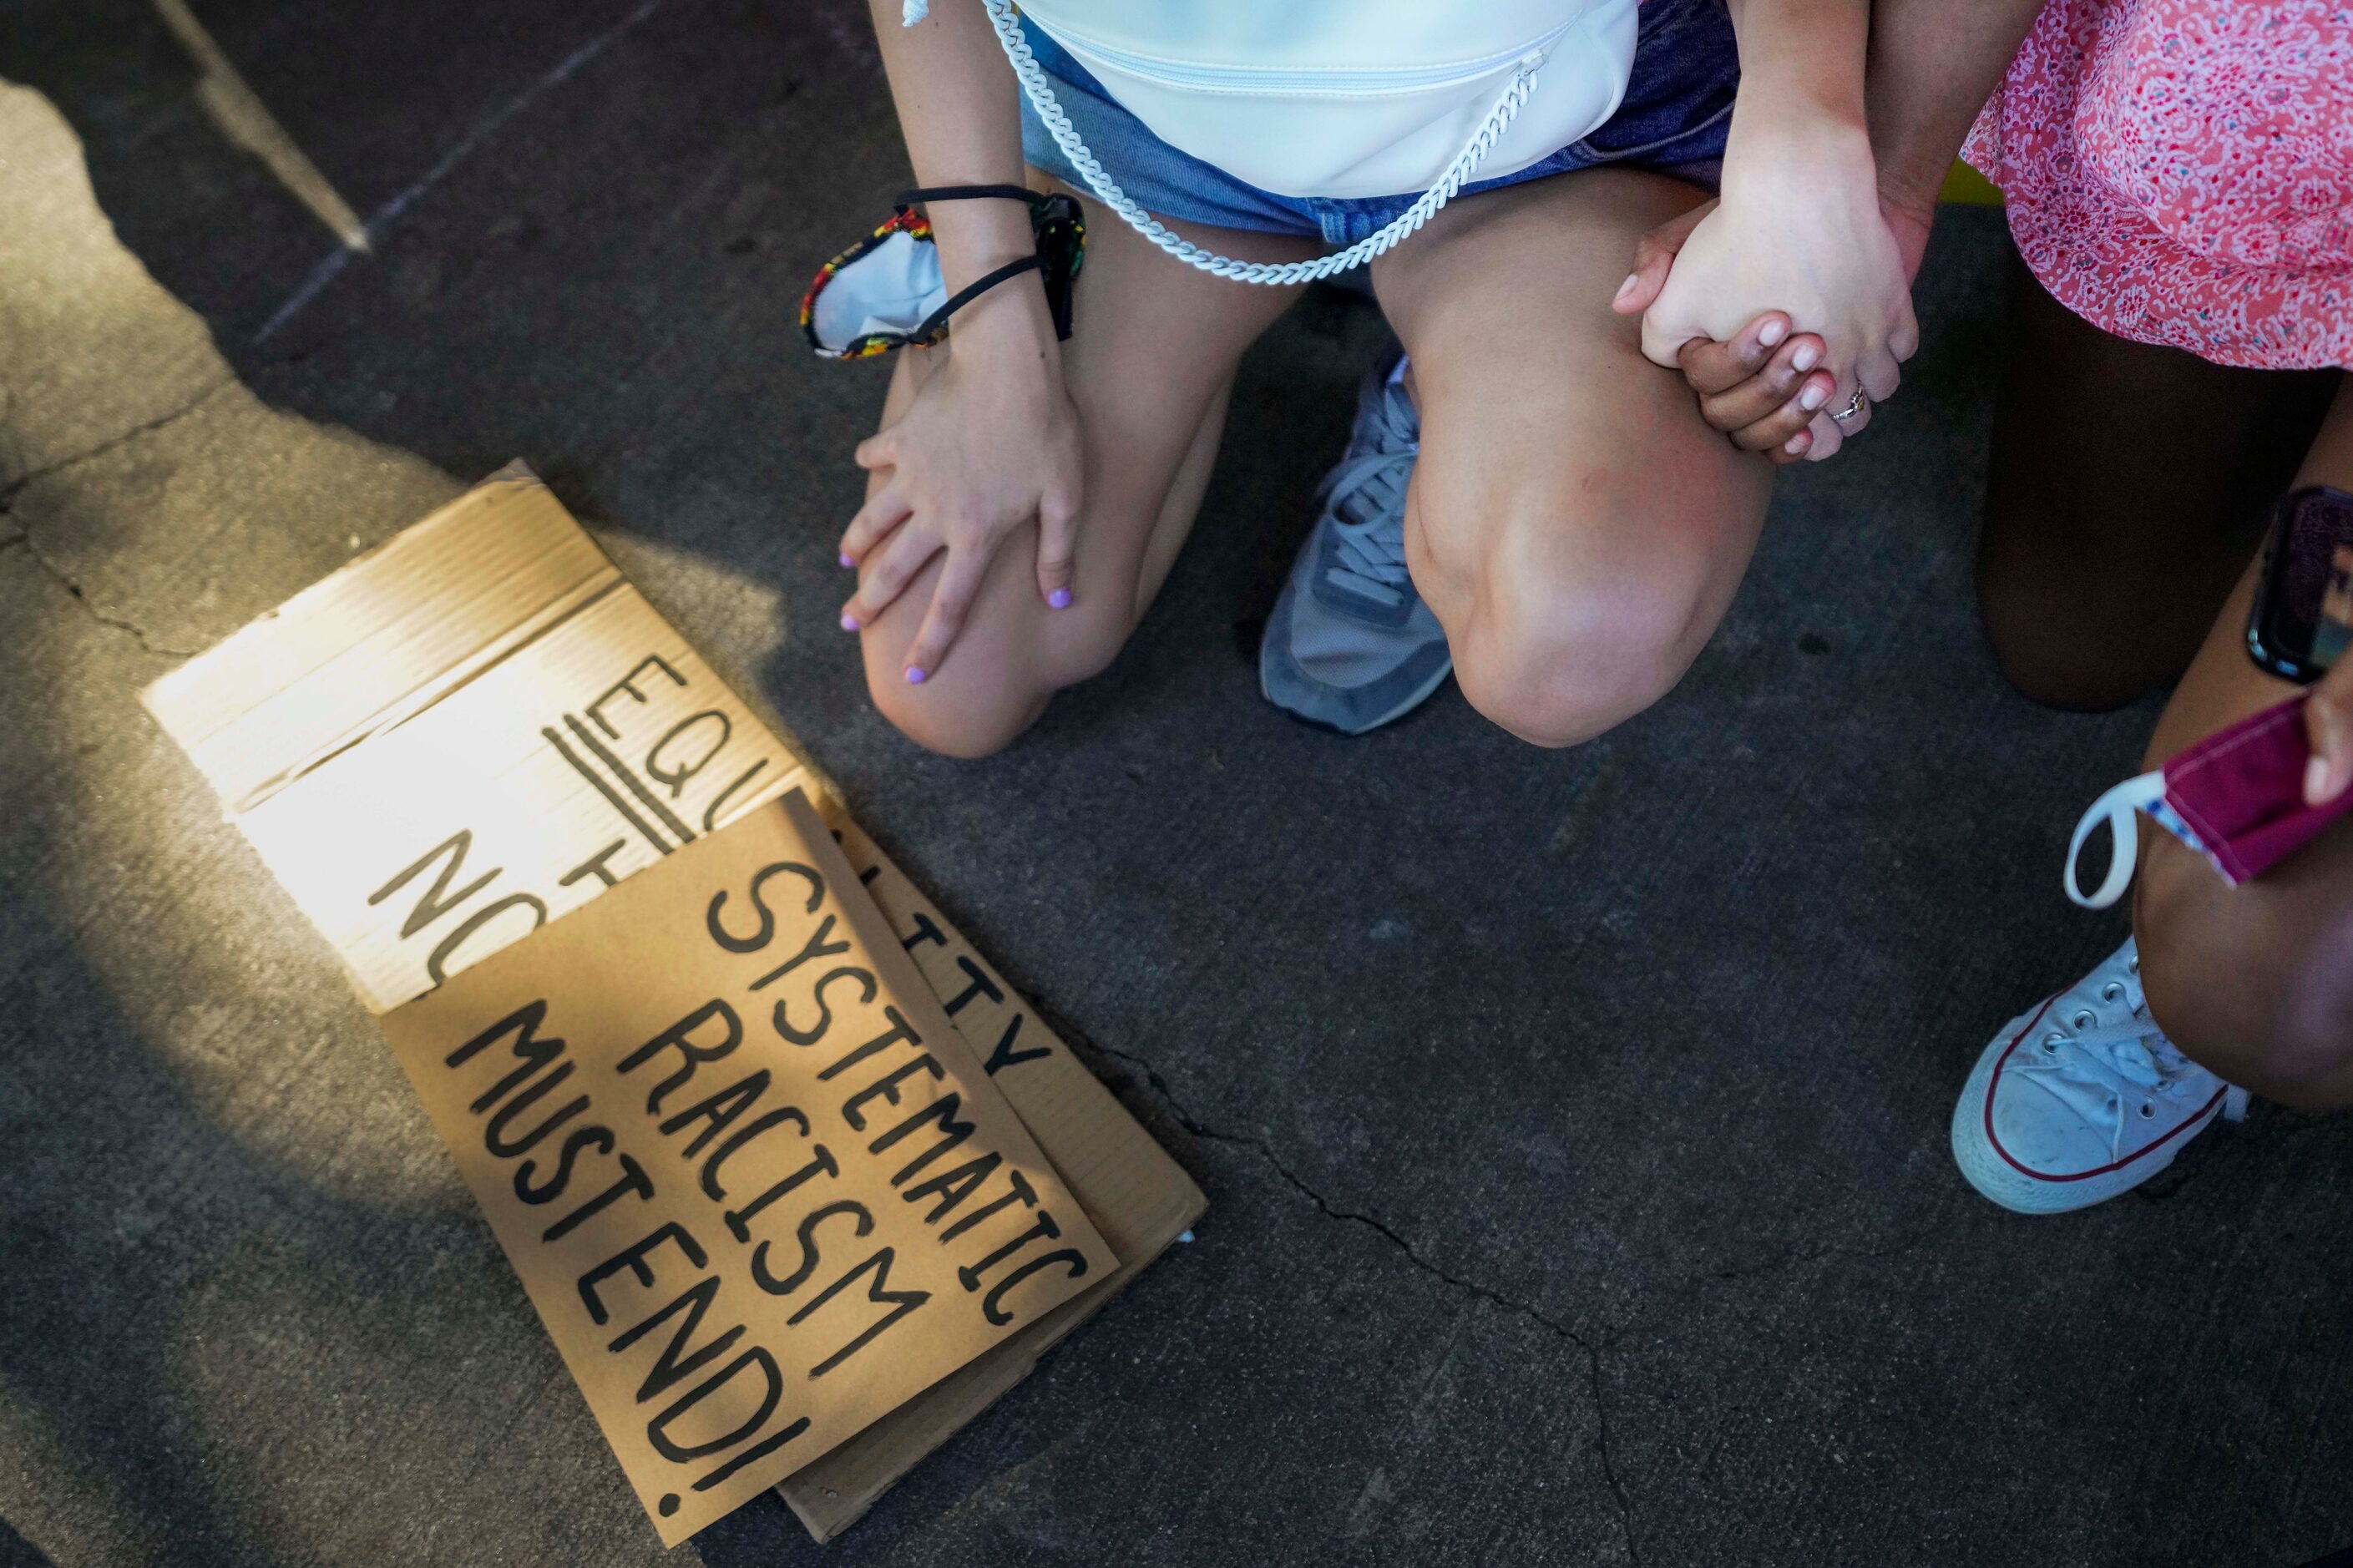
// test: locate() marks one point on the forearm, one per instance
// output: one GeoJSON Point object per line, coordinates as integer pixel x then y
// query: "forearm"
{"type": "Point", "coordinates": [1801, 83]}
{"type": "Point", "coordinates": [959, 111]}
{"type": "Point", "coordinates": [1934, 63]}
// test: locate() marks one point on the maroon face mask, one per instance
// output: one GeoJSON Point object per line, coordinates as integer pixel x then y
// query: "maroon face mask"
{"type": "Point", "coordinates": [2236, 798]}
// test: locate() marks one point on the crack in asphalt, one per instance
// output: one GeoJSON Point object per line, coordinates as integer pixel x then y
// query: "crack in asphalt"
{"type": "Point", "coordinates": [65, 579]}
{"type": "Point", "coordinates": [16, 486]}
{"type": "Point", "coordinates": [1591, 1351]}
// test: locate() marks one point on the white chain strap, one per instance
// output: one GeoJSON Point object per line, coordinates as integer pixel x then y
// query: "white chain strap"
{"type": "Point", "coordinates": [1033, 82]}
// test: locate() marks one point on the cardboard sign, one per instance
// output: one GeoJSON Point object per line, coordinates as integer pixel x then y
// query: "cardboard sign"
{"type": "Point", "coordinates": [755, 1183]}
{"type": "Point", "coordinates": [525, 749]}
{"type": "Point", "coordinates": [398, 741]}
{"type": "Point", "coordinates": [1139, 1199]}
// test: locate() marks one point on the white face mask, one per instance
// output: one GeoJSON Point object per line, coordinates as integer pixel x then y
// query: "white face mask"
{"type": "Point", "coordinates": [886, 291]}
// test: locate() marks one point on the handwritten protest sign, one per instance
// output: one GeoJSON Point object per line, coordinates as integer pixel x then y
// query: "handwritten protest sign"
{"type": "Point", "coordinates": [757, 1184]}
{"type": "Point", "coordinates": [477, 729]}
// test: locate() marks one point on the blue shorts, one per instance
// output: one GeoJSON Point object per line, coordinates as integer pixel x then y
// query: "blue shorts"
{"type": "Point", "coordinates": [1673, 117]}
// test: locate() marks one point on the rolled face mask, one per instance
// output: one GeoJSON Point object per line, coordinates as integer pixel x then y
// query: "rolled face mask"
{"type": "Point", "coordinates": [2236, 798]}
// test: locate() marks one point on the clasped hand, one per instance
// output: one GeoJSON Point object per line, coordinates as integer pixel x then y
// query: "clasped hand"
{"type": "Point", "coordinates": [1779, 302]}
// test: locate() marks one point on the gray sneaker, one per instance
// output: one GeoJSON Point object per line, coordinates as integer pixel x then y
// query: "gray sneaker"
{"type": "Point", "coordinates": [1350, 645]}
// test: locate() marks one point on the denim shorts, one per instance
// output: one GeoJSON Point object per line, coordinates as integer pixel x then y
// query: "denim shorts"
{"type": "Point", "coordinates": [1673, 117]}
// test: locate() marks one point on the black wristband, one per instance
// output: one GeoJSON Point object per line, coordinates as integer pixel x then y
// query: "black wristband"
{"type": "Point", "coordinates": [974, 290]}
{"type": "Point", "coordinates": [966, 194]}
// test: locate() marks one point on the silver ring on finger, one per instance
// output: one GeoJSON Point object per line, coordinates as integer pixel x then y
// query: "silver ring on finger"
{"type": "Point", "coordinates": [1855, 405]}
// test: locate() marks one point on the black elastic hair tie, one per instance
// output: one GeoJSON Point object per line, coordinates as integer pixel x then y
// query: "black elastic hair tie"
{"type": "Point", "coordinates": [966, 194]}
{"type": "Point", "coordinates": [973, 290]}
{"type": "Point", "coordinates": [988, 281]}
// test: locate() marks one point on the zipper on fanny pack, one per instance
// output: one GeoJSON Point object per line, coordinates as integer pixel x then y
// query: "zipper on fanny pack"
{"type": "Point", "coordinates": [1270, 79]}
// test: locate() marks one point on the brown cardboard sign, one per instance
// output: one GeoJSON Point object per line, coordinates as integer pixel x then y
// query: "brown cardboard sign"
{"type": "Point", "coordinates": [759, 1187]}
{"type": "Point", "coordinates": [514, 725]}
{"type": "Point", "coordinates": [388, 741]}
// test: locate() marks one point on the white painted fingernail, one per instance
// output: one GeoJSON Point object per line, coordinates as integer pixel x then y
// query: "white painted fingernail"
{"type": "Point", "coordinates": [1628, 286]}
{"type": "Point", "coordinates": [1807, 358]}
{"type": "Point", "coordinates": [1813, 397]}
{"type": "Point", "coordinates": [1773, 333]}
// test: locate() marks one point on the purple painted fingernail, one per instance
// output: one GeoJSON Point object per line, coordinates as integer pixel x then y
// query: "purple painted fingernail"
{"type": "Point", "coordinates": [1060, 598]}
{"type": "Point", "coordinates": [845, 559]}
{"type": "Point", "coordinates": [848, 622]}
{"type": "Point", "coordinates": [915, 675]}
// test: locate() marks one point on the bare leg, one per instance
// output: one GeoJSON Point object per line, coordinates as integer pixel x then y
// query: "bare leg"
{"type": "Point", "coordinates": [2221, 963]}
{"type": "Point", "coordinates": [2128, 488]}
{"type": "Point", "coordinates": [1573, 523]}
{"type": "Point", "coordinates": [1148, 365]}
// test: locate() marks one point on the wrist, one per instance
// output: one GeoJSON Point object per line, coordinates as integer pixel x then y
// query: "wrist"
{"type": "Point", "coordinates": [1007, 335]}
{"type": "Point", "coordinates": [1911, 186]}
{"type": "Point", "coordinates": [976, 237]}
{"type": "Point", "coordinates": [1813, 152]}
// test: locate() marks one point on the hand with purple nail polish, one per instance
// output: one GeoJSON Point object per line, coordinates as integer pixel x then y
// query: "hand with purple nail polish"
{"type": "Point", "coordinates": [986, 447]}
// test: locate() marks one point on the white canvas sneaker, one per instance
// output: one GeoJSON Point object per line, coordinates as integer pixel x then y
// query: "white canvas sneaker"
{"type": "Point", "coordinates": [2083, 1099]}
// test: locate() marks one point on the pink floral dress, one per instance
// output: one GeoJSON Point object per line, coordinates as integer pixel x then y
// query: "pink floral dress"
{"type": "Point", "coordinates": [2181, 172]}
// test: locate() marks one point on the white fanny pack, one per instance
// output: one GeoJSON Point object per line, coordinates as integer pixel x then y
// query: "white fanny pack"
{"type": "Point", "coordinates": [1333, 98]}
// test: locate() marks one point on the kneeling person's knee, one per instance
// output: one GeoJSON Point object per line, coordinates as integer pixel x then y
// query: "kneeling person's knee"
{"type": "Point", "coordinates": [955, 718]}
{"type": "Point", "coordinates": [1557, 661]}
{"type": "Point", "coordinates": [993, 684]}
{"type": "Point", "coordinates": [2221, 991]}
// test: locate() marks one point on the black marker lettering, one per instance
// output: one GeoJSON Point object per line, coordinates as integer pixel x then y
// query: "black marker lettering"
{"type": "Point", "coordinates": [981, 986]}
{"type": "Point", "coordinates": [436, 964]}
{"type": "Point", "coordinates": [1021, 1193]}
{"type": "Point", "coordinates": [951, 1187]}
{"type": "Point", "coordinates": [633, 1259]}
{"type": "Point", "coordinates": [595, 867]}
{"type": "Point", "coordinates": [887, 1088]}
{"type": "Point", "coordinates": [633, 1179]}
{"type": "Point", "coordinates": [719, 1109]}
{"type": "Point", "coordinates": [669, 1368]}
{"type": "Point", "coordinates": [739, 1221]}
{"type": "Point", "coordinates": [759, 938]}
{"type": "Point", "coordinates": [680, 1036]}
{"type": "Point", "coordinates": [1044, 1230]}
{"type": "Point", "coordinates": [1075, 1259]}
{"type": "Point", "coordinates": [438, 900]}
{"type": "Point", "coordinates": [627, 683]}
{"type": "Point", "coordinates": [901, 1032]}
{"type": "Point", "coordinates": [760, 1124]}
{"type": "Point", "coordinates": [815, 1031]}
{"type": "Point", "coordinates": [710, 813]}
{"type": "Point", "coordinates": [952, 1133]}
{"type": "Point", "coordinates": [495, 1137]}
{"type": "Point", "coordinates": [532, 1051]}
{"type": "Point", "coordinates": [658, 1429]}
{"type": "Point", "coordinates": [756, 1452]}
{"type": "Point", "coordinates": [806, 1235]}
{"type": "Point", "coordinates": [550, 1190]}
{"type": "Point", "coordinates": [900, 1303]}
{"type": "Point", "coordinates": [816, 947]}
{"type": "Point", "coordinates": [676, 777]}
{"type": "Point", "coordinates": [1002, 1055]}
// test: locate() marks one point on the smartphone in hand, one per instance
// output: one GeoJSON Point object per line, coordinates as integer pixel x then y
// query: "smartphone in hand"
{"type": "Point", "coordinates": [2303, 615]}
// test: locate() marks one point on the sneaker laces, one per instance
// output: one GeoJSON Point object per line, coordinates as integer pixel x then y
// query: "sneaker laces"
{"type": "Point", "coordinates": [1365, 498]}
{"type": "Point", "coordinates": [2110, 1070]}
